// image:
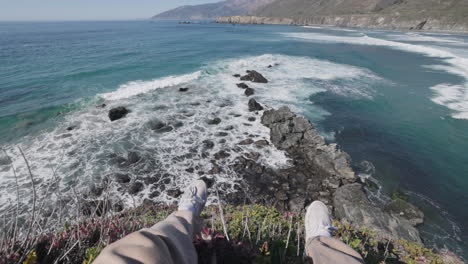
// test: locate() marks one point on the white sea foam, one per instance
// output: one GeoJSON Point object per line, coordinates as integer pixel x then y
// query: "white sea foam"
{"type": "Point", "coordinates": [456, 65]}
{"type": "Point", "coordinates": [97, 148]}
{"type": "Point", "coordinates": [330, 28]}
{"type": "Point", "coordinates": [416, 37]}
{"type": "Point", "coordinates": [140, 87]}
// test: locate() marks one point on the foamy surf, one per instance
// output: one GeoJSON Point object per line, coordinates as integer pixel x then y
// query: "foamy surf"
{"type": "Point", "coordinates": [452, 96]}
{"type": "Point", "coordinates": [139, 87]}
{"type": "Point", "coordinates": [96, 149]}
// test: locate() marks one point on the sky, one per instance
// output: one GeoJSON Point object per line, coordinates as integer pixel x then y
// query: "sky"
{"type": "Point", "coordinates": [40, 10]}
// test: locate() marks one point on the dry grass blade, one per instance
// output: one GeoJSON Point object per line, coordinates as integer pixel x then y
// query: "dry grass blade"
{"type": "Point", "coordinates": [222, 216]}
{"type": "Point", "coordinates": [33, 213]}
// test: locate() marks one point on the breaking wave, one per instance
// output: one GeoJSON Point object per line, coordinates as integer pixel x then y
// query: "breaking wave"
{"type": "Point", "coordinates": [452, 96]}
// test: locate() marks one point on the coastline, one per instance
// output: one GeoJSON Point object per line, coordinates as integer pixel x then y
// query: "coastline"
{"type": "Point", "coordinates": [374, 22]}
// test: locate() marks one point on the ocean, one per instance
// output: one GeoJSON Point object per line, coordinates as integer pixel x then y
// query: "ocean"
{"type": "Point", "coordinates": [397, 102]}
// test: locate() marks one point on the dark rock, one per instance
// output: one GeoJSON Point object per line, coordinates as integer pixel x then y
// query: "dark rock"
{"type": "Point", "coordinates": [261, 143]}
{"type": "Point", "coordinates": [122, 178]}
{"type": "Point", "coordinates": [221, 155]}
{"type": "Point", "coordinates": [252, 155]}
{"type": "Point", "coordinates": [208, 144]}
{"type": "Point", "coordinates": [229, 128]}
{"type": "Point", "coordinates": [269, 66]}
{"type": "Point", "coordinates": [249, 91]}
{"type": "Point", "coordinates": [70, 128]}
{"type": "Point", "coordinates": [155, 193]}
{"type": "Point", "coordinates": [96, 190]}
{"type": "Point", "coordinates": [190, 170]}
{"type": "Point", "coordinates": [290, 132]}
{"type": "Point", "coordinates": [406, 210]}
{"type": "Point", "coordinates": [209, 181]}
{"type": "Point", "coordinates": [254, 76]}
{"type": "Point", "coordinates": [174, 192]}
{"type": "Point", "coordinates": [421, 25]}
{"type": "Point", "coordinates": [353, 206]}
{"type": "Point", "coordinates": [247, 141]}
{"type": "Point", "coordinates": [215, 170]}
{"type": "Point", "coordinates": [242, 85]}
{"type": "Point", "coordinates": [252, 119]}
{"type": "Point", "coordinates": [94, 207]}
{"type": "Point", "coordinates": [133, 158]}
{"type": "Point", "coordinates": [178, 124]}
{"type": "Point", "coordinates": [160, 127]}
{"type": "Point", "coordinates": [221, 134]}
{"type": "Point", "coordinates": [102, 105]}
{"type": "Point", "coordinates": [183, 89]}
{"type": "Point", "coordinates": [254, 106]}
{"type": "Point", "coordinates": [117, 113]}
{"type": "Point", "coordinates": [117, 207]}
{"type": "Point", "coordinates": [236, 75]}
{"type": "Point", "coordinates": [214, 121]}
{"type": "Point", "coordinates": [135, 187]}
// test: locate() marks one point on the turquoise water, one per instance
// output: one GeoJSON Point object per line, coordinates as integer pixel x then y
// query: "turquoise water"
{"type": "Point", "coordinates": [397, 102]}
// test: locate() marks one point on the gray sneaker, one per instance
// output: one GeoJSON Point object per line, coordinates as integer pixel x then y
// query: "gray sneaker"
{"type": "Point", "coordinates": [194, 197]}
{"type": "Point", "coordinates": [317, 221]}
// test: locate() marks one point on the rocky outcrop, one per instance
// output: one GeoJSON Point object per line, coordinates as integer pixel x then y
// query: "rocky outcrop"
{"type": "Point", "coordinates": [319, 171]}
{"type": "Point", "coordinates": [254, 105]}
{"type": "Point", "coordinates": [255, 20]}
{"type": "Point", "coordinates": [371, 21]}
{"type": "Point", "coordinates": [254, 76]}
{"type": "Point", "coordinates": [351, 205]}
{"type": "Point", "coordinates": [406, 210]}
{"type": "Point", "coordinates": [117, 113]}
{"type": "Point", "coordinates": [297, 136]}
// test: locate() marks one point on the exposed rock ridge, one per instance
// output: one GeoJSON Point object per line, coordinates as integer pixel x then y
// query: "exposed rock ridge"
{"type": "Point", "coordinates": [320, 171]}
{"type": "Point", "coordinates": [299, 138]}
{"type": "Point", "coordinates": [371, 21]}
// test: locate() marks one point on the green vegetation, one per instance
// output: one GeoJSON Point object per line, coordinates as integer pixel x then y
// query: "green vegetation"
{"type": "Point", "coordinates": [251, 234]}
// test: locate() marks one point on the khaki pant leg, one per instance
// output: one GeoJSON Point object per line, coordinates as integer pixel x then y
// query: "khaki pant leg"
{"type": "Point", "coordinates": [169, 241]}
{"type": "Point", "coordinates": [327, 250]}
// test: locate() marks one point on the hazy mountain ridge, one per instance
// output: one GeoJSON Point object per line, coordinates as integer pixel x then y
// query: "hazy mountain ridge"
{"type": "Point", "coordinates": [450, 15]}
{"type": "Point", "coordinates": [214, 10]}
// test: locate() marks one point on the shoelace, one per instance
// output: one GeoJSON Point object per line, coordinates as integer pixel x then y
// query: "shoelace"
{"type": "Point", "coordinates": [194, 199]}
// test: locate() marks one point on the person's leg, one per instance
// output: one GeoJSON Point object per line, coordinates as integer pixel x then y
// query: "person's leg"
{"type": "Point", "coordinates": [320, 247]}
{"type": "Point", "coordinates": [169, 241]}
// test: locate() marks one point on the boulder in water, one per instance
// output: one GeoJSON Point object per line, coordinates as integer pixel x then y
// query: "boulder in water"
{"type": "Point", "coordinates": [249, 91]}
{"type": "Point", "coordinates": [121, 178]}
{"type": "Point", "coordinates": [174, 193]}
{"type": "Point", "coordinates": [254, 106]}
{"type": "Point", "coordinates": [353, 206]}
{"type": "Point", "coordinates": [135, 187]}
{"type": "Point", "coordinates": [214, 121]}
{"type": "Point", "coordinates": [406, 210]}
{"type": "Point", "coordinates": [247, 141]}
{"type": "Point", "coordinates": [117, 113]}
{"type": "Point", "coordinates": [242, 85]}
{"type": "Point", "coordinates": [183, 89]}
{"type": "Point", "coordinates": [254, 76]}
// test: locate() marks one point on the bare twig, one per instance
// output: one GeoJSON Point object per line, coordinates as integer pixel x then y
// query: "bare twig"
{"type": "Point", "coordinates": [33, 216]}
{"type": "Point", "coordinates": [222, 216]}
{"type": "Point", "coordinates": [15, 230]}
{"type": "Point", "coordinates": [289, 234]}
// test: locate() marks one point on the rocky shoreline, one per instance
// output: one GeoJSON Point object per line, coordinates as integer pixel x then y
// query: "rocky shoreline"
{"type": "Point", "coordinates": [318, 171]}
{"type": "Point", "coordinates": [385, 22]}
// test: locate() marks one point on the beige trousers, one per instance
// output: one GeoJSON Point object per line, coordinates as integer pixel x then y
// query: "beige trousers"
{"type": "Point", "coordinates": [171, 242]}
{"type": "Point", "coordinates": [327, 250]}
